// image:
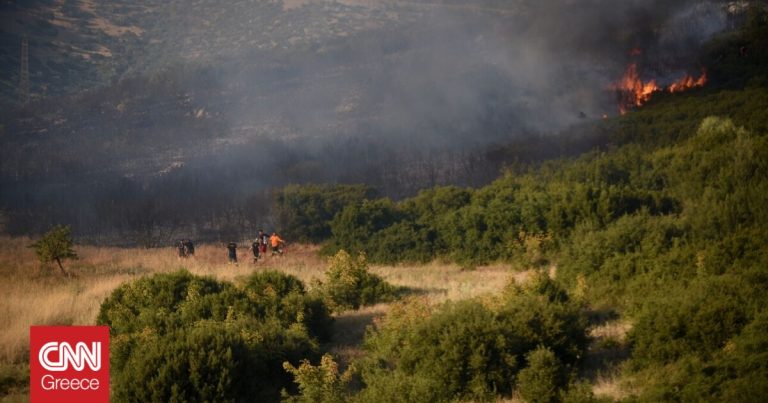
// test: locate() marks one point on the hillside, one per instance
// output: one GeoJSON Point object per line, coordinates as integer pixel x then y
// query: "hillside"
{"type": "Point", "coordinates": [662, 230]}
{"type": "Point", "coordinates": [623, 260]}
{"type": "Point", "coordinates": [164, 100]}
{"type": "Point", "coordinates": [77, 45]}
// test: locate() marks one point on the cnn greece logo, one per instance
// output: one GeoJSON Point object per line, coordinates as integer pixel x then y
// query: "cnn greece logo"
{"type": "Point", "coordinates": [77, 357]}
{"type": "Point", "coordinates": [69, 364]}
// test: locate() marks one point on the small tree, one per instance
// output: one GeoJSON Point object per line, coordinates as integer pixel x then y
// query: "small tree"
{"type": "Point", "coordinates": [542, 379]}
{"type": "Point", "coordinates": [349, 285]}
{"type": "Point", "coordinates": [55, 246]}
{"type": "Point", "coordinates": [320, 384]}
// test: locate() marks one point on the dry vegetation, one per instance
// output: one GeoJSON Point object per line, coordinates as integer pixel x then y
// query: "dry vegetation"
{"type": "Point", "coordinates": [606, 353]}
{"type": "Point", "coordinates": [35, 295]}
{"type": "Point", "coordinates": [39, 295]}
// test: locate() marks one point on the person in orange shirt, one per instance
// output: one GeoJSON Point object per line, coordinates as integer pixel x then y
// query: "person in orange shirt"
{"type": "Point", "coordinates": [276, 243]}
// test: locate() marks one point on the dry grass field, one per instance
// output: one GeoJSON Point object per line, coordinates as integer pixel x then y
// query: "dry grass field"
{"type": "Point", "coordinates": [40, 295]}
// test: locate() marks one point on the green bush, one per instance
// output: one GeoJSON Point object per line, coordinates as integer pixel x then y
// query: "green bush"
{"type": "Point", "coordinates": [459, 352]}
{"type": "Point", "coordinates": [736, 373]}
{"type": "Point", "coordinates": [467, 350]}
{"type": "Point", "coordinates": [158, 302]}
{"type": "Point", "coordinates": [400, 242]}
{"type": "Point", "coordinates": [212, 361]}
{"type": "Point", "coordinates": [543, 314]}
{"type": "Point", "coordinates": [305, 211]}
{"type": "Point", "coordinates": [349, 285]}
{"type": "Point", "coordinates": [180, 337]}
{"type": "Point", "coordinates": [272, 284]}
{"type": "Point", "coordinates": [744, 362]}
{"type": "Point", "coordinates": [320, 384]}
{"type": "Point", "coordinates": [699, 319]}
{"type": "Point", "coordinates": [283, 296]}
{"type": "Point", "coordinates": [542, 379]}
{"type": "Point", "coordinates": [354, 226]}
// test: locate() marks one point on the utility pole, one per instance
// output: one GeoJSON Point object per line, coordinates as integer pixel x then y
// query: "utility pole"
{"type": "Point", "coordinates": [24, 73]}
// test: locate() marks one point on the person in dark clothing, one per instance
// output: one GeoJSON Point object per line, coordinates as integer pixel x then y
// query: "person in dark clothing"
{"type": "Point", "coordinates": [180, 247]}
{"type": "Point", "coordinates": [232, 252]}
{"type": "Point", "coordinates": [189, 248]}
{"type": "Point", "coordinates": [263, 242]}
{"type": "Point", "coordinates": [255, 249]}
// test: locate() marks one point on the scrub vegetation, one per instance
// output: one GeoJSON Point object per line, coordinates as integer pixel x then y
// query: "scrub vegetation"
{"type": "Point", "coordinates": [634, 272]}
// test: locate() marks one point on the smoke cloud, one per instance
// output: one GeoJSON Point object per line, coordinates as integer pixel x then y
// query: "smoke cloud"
{"type": "Point", "coordinates": [401, 95]}
{"type": "Point", "coordinates": [452, 77]}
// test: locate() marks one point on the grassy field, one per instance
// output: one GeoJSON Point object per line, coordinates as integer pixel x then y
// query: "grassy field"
{"type": "Point", "coordinates": [41, 295]}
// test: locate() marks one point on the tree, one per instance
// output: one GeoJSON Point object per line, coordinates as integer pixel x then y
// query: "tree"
{"type": "Point", "coordinates": [55, 246]}
{"type": "Point", "coordinates": [541, 380]}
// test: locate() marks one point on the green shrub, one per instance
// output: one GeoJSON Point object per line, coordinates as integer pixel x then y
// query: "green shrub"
{"type": "Point", "coordinates": [211, 362]}
{"type": "Point", "coordinates": [744, 362]}
{"type": "Point", "coordinates": [466, 350]}
{"type": "Point", "coordinates": [461, 351]}
{"type": "Point", "coordinates": [320, 384]}
{"type": "Point", "coordinates": [156, 302]}
{"type": "Point", "coordinates": [283, 296]}
{"type": "Point", "coordinates": [699, 319]}
{"type": "Point", "coordinates": [179, 337]}
{"type": "Point", "coordinates": [541, 313]}
{"type": "Point", "coordinates": [272, 284]}
{"type": "Point", "coordinates": [731, 368]}
{"type": "Point", "coordinates": [542, 379]}
{"type": "Point", "coordinates": [305, 211]}
{"type": "Point", "coordinates": [348, 284]}
{"type": "Point", "coordinates": [401, 242]}
{"type": "Point", "coordinates": [529, 250]}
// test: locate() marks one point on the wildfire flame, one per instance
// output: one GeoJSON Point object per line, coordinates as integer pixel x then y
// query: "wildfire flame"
{"type": "Point", "coordinates": [688, 82]}
{"type": "Point", "coordinates": [633, 92]}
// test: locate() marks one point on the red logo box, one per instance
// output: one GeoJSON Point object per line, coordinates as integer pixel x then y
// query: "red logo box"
{"type": "Point", "coordinates": [69, 364]}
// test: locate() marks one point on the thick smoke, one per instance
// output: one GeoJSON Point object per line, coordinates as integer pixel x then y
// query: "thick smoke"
{"type": "Point", "coordinates": [461, 76]}
{"type": "Point", "coordinates": [399, 95]}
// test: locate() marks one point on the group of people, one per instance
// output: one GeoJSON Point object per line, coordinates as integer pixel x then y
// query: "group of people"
{"type": "Point", "coordinates": [259, 247]}
{"type": "Point", "coordinates": [186, 248]}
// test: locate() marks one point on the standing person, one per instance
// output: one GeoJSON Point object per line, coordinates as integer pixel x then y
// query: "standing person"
{"type": "Point", "coordinates": [232, 252]}
{"type": "Point", "coordinates": [255, 246]}
{"type": "Point", "coordinates": [180, 247]}
{"type": "Point", "coordinates": [276, 243]}
{"type": "Point", "coordinates": [263, 242]}
{"type": "Point", "coordinates": [189, 248]}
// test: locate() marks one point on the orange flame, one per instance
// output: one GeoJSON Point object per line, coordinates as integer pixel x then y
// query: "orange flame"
{"type": "Point", "coordinates": [688, 82]}
{"type": "Point", "coordinates": [633, 92]}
